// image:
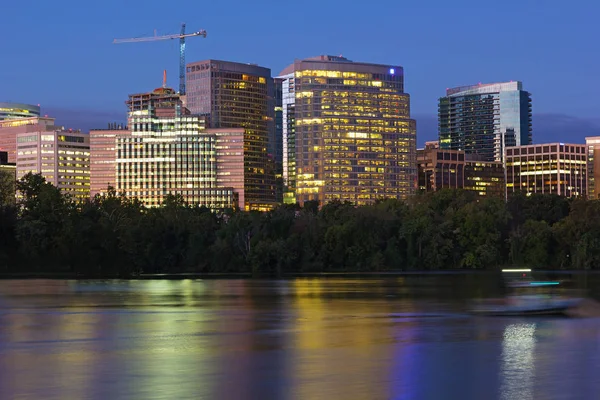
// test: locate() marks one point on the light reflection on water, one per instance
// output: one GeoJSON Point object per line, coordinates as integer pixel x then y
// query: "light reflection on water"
{"type": "Point", "coordinates": [297, 339]}
{"type": "Point", "coordinates": [518, 361]}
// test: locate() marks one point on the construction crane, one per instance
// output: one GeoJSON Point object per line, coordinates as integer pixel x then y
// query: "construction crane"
{"type": "Point", "coordinates": [181, 38]}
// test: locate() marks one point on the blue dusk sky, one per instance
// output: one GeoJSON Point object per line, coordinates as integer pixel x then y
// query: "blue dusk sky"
{"type": "Point", "coordinates": [60, 54]}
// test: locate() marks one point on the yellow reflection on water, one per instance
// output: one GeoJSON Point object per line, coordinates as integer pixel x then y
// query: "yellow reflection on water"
{"type": "Point", "coordinates": [340, 344]}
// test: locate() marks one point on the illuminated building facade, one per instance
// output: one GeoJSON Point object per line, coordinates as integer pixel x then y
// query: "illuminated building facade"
{"type": "Point", "coordinates": [352, 135]}
{"type": "Point", "coordinates": [168, 151]}
{"type": "Point", "coordinates": [170, 155]}
{"type": "Point", "coordinates": [557, 168]}
{"type": "Point", "coordinates": [593, 162]}
{"type": "Point", "coordinates": [62, 157]}
{"type": "Point", "coordinates": [103, 151]}
{"type": "Point", "coordinates": [10, 128]}
{"type": "Point", "coordinates": [439, 169]}
{"type": "Point", "coordinates": [18, 110]}
{"type": "Point", "coordinates": [237, 95]}
{"type": "Point", "coordinates": [485, 119]}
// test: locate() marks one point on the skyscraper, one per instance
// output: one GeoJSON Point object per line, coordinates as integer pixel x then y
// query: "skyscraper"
{"type": "Point", "coordinates": [347, 131]}
{"type": "Point", "coordinates": [239, 95]}
{"type": "Point", "coordinates": [288, 134]}
{"type": "Point", "coordinates": [484, 119]}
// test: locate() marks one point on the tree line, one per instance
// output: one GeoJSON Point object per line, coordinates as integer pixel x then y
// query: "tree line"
{"type": "Point", "coordinates": [115, 236]}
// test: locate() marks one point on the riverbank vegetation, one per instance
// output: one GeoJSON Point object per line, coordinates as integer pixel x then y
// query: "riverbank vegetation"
{"type": "Point", "coordinates": [113, 236]}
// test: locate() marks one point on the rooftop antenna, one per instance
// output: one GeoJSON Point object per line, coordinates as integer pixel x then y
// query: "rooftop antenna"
{"type": "Point", "coordinates": [164, 79]}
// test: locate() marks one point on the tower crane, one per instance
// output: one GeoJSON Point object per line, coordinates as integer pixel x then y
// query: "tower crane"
{"type": "Point", "coordinates": [181, 36]}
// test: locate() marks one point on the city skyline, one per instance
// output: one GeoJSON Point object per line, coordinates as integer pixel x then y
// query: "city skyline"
{"type": "Point", "coordinates": [528, 48]}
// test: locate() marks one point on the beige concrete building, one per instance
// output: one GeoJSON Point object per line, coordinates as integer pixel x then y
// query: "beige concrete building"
{"type": "Point", "coordinates": [62, 157]}
{"type": "Point", "coordinates": [10, 128]}
{"type": "Point", "coordinates": [103, 148]}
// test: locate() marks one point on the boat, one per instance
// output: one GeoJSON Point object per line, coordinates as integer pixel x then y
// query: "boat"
{"type": "Point", "coordinates": [527, 298]}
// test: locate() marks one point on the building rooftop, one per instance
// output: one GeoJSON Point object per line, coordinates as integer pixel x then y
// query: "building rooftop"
{"type": "Point", "coordinates": [325, 59]}
{"type": "Point", "coordinates": [482, 88]}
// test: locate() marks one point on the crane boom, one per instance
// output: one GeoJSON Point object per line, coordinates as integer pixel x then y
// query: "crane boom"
{"type": "Point", "coordinates": [164, 37]}
{"type": "Point", "coordinates": [181, 36]}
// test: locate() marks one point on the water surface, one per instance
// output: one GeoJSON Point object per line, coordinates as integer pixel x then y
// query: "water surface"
{"type": "Point", "coordinates": [296, 339]}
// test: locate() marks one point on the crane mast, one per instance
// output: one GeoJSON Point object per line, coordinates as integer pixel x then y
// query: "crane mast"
{"type": "Point", "coordinates": [182, 61]}
{"type": "Point", "coordinates": [181, 36]}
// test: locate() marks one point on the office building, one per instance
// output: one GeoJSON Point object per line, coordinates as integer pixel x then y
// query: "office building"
{"type": "Point", "coordinates": [557, 168]}
{"type": "Point", "coordinates": [10, 128]}
{"type": "Point", "coordinates": [453, 169]}
{"type": "Point", "coordinates": [276, 144]}
{"type": "Point", "coordinates": [168, 151]}
{"type": "Point", "coordinates": [61, 156]}
{"type": "Point", "coordinates": [485, 119]}
{"type": "Point", "coordinates": [593, 162]}
{"type": "Point", "coordinates": [347, 132]}
{"type": "Point", "coordinates": [288, 135]}
{"type": "Point", "coordinates": [103, 157]}
{"type": "Point", "coordinates": [239, 95]}
{"type": "Point", "coordinates": [18, 111]}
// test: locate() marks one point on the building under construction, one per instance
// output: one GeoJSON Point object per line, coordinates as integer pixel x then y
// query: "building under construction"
{"type": "Point", "coordinates": [163, 100]}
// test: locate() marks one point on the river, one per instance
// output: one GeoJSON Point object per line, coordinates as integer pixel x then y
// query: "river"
{"type": "Point", "coordinates": [308, 338]}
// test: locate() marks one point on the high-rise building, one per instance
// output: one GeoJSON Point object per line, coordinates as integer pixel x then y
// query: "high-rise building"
{"type": "Point", "coordinates": [18, 110]}
{"type": "Point", "coordinates": [10, 128]}
{"type": "Point", "coordinates": [239, 95]}
{"type": "Point", "coordinates": [485, 119]}
{"type": "Point", "coordinates": [288, 135]}
{"type": "Point", "coordinates": [276, 145]}
{"type": "Point", "coordinates": [103, 157]}
{"type": "Point", "coordinates": [593, 162]}
{"type": "Point", "coordinates": [347, 132]}
{"type": "Point", "coordinates": [557, 168]}
{"type": "Point", "coordinates": [439, 169]}
{"type": "Point", "coordinates": [62, 157]}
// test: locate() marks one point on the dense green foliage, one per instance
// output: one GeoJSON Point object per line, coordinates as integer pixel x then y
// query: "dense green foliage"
{"type": "Point", "coordinates": [115, 236]}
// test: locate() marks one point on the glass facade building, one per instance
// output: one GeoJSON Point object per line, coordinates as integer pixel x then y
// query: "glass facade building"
{"type": "Point", "coordinates": [557, 168]}
{"type": "Point", "coordinates": [237, 95]}
{"type": "Point", "coordinates": [288, 137]}
{"type": "Point", "coordinates": [18, 110]}
{"type": "Point", "coordinates": [348, 131]}
{"type": "Point", "coordinates": [485, 119]}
